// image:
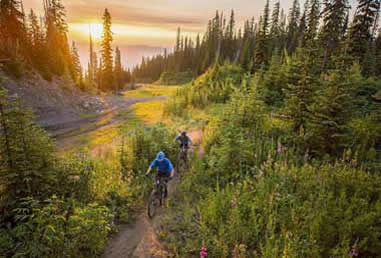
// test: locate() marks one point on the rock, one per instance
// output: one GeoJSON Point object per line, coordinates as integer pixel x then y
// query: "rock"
{"type": "Point", "coordinates": [86, 105]}
{"type": "Point", "coordinates": [14, 96]}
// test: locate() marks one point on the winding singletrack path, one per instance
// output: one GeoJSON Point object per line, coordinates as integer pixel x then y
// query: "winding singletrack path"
{"type": "Point", "coordinates": [140, 240]}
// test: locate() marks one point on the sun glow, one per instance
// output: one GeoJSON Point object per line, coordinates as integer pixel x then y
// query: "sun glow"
{"type": "Point", "coordinates": [95, 29]}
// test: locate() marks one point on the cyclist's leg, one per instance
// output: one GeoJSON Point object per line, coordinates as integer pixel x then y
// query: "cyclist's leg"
{"type": "Point", "coordinates": [186, 152]}
{"type": "Point", "coordinates": [164, 176]}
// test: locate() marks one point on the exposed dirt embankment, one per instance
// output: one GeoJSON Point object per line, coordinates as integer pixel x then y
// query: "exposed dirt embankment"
{"type": "Point", "coordinates": [55, 102]}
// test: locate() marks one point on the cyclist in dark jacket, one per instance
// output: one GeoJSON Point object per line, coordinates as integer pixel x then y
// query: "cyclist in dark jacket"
{"type": "Point", "coordinates": [184, 140]}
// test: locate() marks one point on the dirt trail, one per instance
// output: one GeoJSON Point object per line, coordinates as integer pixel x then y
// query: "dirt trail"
{"type": "Point", "coordinates": [140, 240]}
{"type": "Point", "coordinates": [66, 133]}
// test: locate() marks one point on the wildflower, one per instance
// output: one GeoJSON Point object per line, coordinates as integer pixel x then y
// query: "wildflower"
{"type": "Point", "coordinates": [280, 148]}
{"type": "Point", "coordinates": [353, 253]}
{"type": "Point", "coordinates": [203, 252]}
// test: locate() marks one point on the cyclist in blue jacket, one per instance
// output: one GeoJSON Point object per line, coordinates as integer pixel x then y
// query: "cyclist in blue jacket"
{"type": "Point", "coordinates": [164, 166]}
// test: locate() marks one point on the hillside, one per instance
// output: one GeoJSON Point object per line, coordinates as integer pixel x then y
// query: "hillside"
{"type": "Point", "coordinates": [55, 102]}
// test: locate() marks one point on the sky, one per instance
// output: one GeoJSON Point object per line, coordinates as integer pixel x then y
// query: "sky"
{"type": "Point", "coordinates": [146, 27]}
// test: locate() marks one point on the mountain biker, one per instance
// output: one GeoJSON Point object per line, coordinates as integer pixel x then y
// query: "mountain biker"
{"type": "Point", "coordinates": [164, 167]}
{"type": "Point", "coordinates": [184, 140]}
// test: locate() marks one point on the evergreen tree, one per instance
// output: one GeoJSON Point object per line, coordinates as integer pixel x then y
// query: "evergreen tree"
{"type": "Point", "coordinates": [329, 114]}
{"type": "Point", "coordinates": [12, 28]}
{"type": "Point", "coordinates": [362, 28]}
{"type": "Point", "coordinates": [118, 69]}
{"type": "Point", "coordinates": [275, 30]}
{"type": "Point", "coordinates": [178, 39]}
{"type": "Point", "coordinates": [27, 157]}
{"type": "Point", "coordinates": [270, 86]}
{"type": "Point", "coordinates": [77, 71]}
{"type": "Point", "coordinates": [107, 60]}
{"type": "Point", "coordinates": [313, 19]}
{"type": "Point", "coordinates": [37, 45]}
{"type": "Point", "coordinates": [56, 37]}
{"type": "Point", "coordinates": [92, 60]}
{"type": "Point", "coordinates": [263, 47]}
{"type": "Point", "coordinates": [335, 21]}
{"type": "Point", "coordinates": [299, 92]}
{"type": "Point", "coordinates": [302, 28]}
{"type": "Point", "coordinates": [292, 29]}
{"type": "Point", "coordinates": [34, 30]}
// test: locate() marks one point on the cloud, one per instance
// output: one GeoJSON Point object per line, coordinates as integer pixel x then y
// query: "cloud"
{"type": "Point", "coordinates": [133, 15]}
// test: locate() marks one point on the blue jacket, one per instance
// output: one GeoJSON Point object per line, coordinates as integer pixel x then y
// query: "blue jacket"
{"type": "Point", "coordinates": [164, 166]}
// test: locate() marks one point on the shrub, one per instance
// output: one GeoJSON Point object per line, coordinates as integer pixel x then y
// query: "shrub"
{"type": "Point", "coordinates": [14, 68]}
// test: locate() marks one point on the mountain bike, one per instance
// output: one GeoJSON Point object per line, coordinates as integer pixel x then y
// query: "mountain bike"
{"type": "Point", "coordinates": [182, 159]}
{"type": "Point", "coordinates": [158, 195]}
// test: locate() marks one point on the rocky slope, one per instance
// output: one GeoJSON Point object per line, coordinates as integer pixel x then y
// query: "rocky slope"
{"type": "Point", "coordinates": [55, 102]}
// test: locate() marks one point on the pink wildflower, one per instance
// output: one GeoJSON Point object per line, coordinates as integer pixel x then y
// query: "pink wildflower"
{"type": "Point", "coordinates": [280, 148]}
{"type": "Point", "coordinates": [353, 253]}
{"type": "Point", "coordinates": [203, 252]}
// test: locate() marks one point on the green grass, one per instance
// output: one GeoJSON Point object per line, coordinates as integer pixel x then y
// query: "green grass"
{"type": "Point", "coordinates": [88, 115]}
{"type": "Point", "coordinates": [149, 112]}
{"type": "Point", "coordinates": [151, 90]}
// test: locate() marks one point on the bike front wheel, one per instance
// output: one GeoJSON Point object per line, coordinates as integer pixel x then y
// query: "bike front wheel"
{"type": "Point", "coordinates": [153, 204]}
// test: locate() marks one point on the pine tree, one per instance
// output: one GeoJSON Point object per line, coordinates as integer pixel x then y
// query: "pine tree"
{"type": "Point", "coordinates": [178, 39]}
{"type": "Point", "coordinates": [302, 28]}
{"type": "Point", "coordinates": [99, 74]}
{"type": "Point", "coordinates": [77, 71]}
{"type": "Point", "coordinates": [270, 86]}
{"type": "Point", "coordinates": [313, 19]}
{"type": "Point", "coordinates": [299, 91]}
{"type": "Point", "coordinates": [27, 156]}
{"type": "Point", "coordinates": [335, 21]}
{"type": "Point", "coordinates": [58, 48]}
{"type": "Point", "coordinates": [92, 60]}
{"type": "Point", "coordinates": [34, 30]}
{"type": "Point", "coordinates": [118, 69]}
{"type": "Point", "coordinates": [329, 114]}
{"type": "Point", "coordinates": [292, 29]}
{"type": "Point", "coordinates": [37, 45]}
{"type": "Point", "coordinates": [275, 27]}
{"type": "Point", "coordinates": [263, 47]}
{"type": "Point", "coordinates": [107, 61]}
{"type": "Point", "coordinates": [363, 26]}
{"type": "Point", "coordinates": [12, 28]}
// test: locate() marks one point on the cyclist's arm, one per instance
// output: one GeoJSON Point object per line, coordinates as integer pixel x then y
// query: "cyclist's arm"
{"type": "Point", "coordinates": [171, 169]}
{"type": "Point", "coordinates": [153, 164]}
{"type": "Point", "coordinates": [190, 141]}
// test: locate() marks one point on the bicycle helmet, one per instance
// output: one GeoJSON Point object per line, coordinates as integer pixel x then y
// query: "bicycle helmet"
{"type": "Point", "coordinates": [160, 156]}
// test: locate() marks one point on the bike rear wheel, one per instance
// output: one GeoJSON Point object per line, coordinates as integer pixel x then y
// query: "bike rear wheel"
{"type": "Point", "coordinates": [181, 162]}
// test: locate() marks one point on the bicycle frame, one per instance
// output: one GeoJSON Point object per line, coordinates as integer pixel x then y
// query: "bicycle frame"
{"type": "Point", "coordinates": [160, 182]}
